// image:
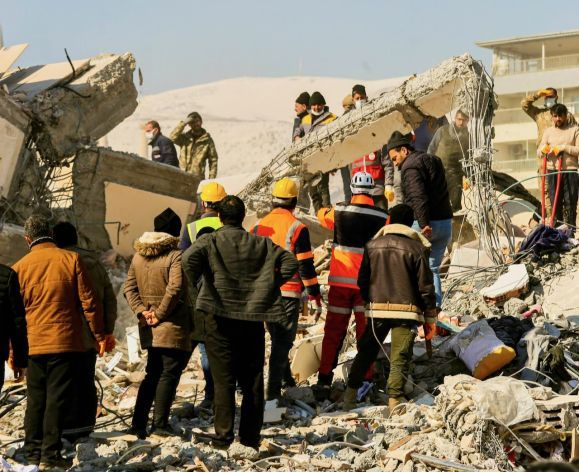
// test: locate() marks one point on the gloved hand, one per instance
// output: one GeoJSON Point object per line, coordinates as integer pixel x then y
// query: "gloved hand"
{"type": "Point", "coordinates": [389, 193]}
{"type": "Point", "coordinates": [546, 149]}
{"type": "Point", "coordinates": [544, 93]}
{"type": "Point", "coordinates": [101, 347]}
{"type": "Point", "coordinates": [465, 183]}
{"type": "Point", "coordinates": [429, 331]}
{"type": "Point", "coordinates": [110, 342]}
{"type": "Point", "coordinates": [556, 150]}
{"type": "Point", "coordinates": [317, 299]}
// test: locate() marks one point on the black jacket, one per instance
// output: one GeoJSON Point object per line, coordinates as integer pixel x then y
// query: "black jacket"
{"type": "Point", "coordinates": [242, 273]}
{"type": "Point", "coordinates": [424, 187]}
{"type": "Point", "coordinates": [164, 150]}
{"type": "Point", "coordinates": [12, 318]}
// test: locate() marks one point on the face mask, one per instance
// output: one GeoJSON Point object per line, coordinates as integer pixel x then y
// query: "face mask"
{"type": "Point", "coordinates": [149, 136]}
{"type": "Point", "coordinates": [550, 101]}
{"type": "Point", "coordinates": [359, 104]}
{"type": "Point", "coordinates": [317, 113]}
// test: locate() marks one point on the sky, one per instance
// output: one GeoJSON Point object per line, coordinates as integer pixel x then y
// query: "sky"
{"type": "Point", "coordinates": [180, 43]}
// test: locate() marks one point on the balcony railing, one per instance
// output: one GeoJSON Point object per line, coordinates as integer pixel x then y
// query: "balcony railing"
{"type": "Point", "coordinates": [523, 66]}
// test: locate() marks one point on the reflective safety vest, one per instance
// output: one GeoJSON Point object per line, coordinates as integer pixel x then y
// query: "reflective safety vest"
{"type": "Point", "coordinates": [371, 163]}
{"type": "Point", "coordinates": [195, 227]}
{"type": "Point", "coordinates": [354, 224]}
{"type": "Point", "coordinates": [284, 229]}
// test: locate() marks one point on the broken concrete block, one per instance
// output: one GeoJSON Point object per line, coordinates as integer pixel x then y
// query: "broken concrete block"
{"type": "Point", "coordinates": [239, 451]}
{"type": "Point", "coordinates": [515, 307]}
{"type": "Point", "coordinates": [273, 413]}
{"type": "Point", "coordinates": [509, 285]}
{"type": "Point", "coordinates": [306, 358]}
{"type": "Point", "coordinates": [562, 296]}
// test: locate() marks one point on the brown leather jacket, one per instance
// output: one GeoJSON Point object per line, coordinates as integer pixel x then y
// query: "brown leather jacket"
{"type": "Point", "coordinates": [155, 282]}
{"type": "Point", "coordinates": [395, 279]}
{"type": "Point", "coordinates": [57, 294]}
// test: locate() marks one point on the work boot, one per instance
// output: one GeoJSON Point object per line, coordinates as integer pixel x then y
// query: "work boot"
{"type": "Point", "coordinates": [321, 391]}
{"type": "Point", "coordinates": [350, 399]}
{"type": "Point", "coordinates": [57, 462]}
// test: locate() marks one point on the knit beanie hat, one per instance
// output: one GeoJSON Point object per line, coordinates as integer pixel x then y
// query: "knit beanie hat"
{"type": "Point", "coordinates": [168, 222]}
{"type": "Point", "coordinates": [303, 98]}
{"type": "Point", "coordinates": [317, 99]}
{"type": "Point", "coordinates": [398, 139]}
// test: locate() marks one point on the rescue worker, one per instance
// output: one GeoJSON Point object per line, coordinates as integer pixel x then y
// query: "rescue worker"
{"type": "Point", "coordinates": [302, 108]}
{"type": "Point", "coordinates": [208, 222]}
{"type": "Point", "coordinates": [156, 291]}
{"type": "Point", "coordinates": [82, 413]}
{"type": "Point", "coordinates": [318, 116]}
{"type": "Point", "coordinates": [197, 147]}
{"type": "Point", "coordinates": [211, 195]}
{"type": "Point", "coordinates": [542, 118]}
{"type": "Point", "coordinates": [451, 144]}
{"type": "Point", "coordinates": [240, 291]}
{"type": "Point", "coordinates": [377, 164]}
{"type": "Point", "coordinates": [60, 303]}
{"type": "Point", "coordinates": [345, 172]}
{"type": "Point", "coordinates": [426, 130]}
{"type": "Point", "coordinates": [284, 229]}
{"type": "Point", "coordinates": [396, 283]}
{"type": "Point", "coordinates": [163, 149]}
{"type": "Point", "coordinates": [424, 188]}
{"type": "Point", "coordinates": [560, 146]}
{"type": "Point", "coordinates": [13, 341]}
{"type": "Point", "coordinates": [354, 224]}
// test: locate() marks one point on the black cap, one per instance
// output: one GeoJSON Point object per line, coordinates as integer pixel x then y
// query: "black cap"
{"type": "Point", "coordinates": [194, 114]}
{"type": "Point", "coordinates": [358, 89]}
{"type": "Point", "coordinates": [303, 98]}
{"type": "Point", "coordinates": [398, 139]}
{"type": "Point", "coordinates": [168, 222]}
{"type": "Point", "coordinates": [401, 214]}
{"type": "Point", "coordinates": [317, 99]}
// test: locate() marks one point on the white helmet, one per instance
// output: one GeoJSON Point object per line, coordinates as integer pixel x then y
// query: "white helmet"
{"type": "Point", "coordinates": [362, 182]}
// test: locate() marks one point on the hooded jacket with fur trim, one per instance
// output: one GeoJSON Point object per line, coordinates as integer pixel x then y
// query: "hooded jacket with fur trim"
{"type": "Point", "coordinates": [155, 282]}
{"type": "Point", "coordinates": [395, 279]}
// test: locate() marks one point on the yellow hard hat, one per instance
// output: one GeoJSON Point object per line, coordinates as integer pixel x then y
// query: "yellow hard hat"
{"type": "Point", "coordinates": [213, 192]}
{"type": "Point", "coordinates": [285, 188]}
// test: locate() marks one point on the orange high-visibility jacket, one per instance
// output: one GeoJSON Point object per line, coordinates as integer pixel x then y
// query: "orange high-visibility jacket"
{"type": "Point", "coordinates": [284, 229]}
{"type": "Point", "coordinates": [354, 224]}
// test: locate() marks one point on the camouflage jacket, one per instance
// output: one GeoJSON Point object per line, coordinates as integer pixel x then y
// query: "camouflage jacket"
{"type": "Point", "coordinates": [195, 153]}
{"type": "Point", "coordinates": [541, 116]}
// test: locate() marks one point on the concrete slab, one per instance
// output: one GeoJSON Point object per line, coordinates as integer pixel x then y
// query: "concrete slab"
{"type": "Point", "coordinates": [511, 284]}
{"type": "Point", "coordinates": [10, 55]}
{"type": "Point", "coordinates": [562, 296]}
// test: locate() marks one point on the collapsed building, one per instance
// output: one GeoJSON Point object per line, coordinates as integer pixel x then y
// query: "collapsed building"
{"type": "Point", "coordinates": [50, 122]}
{"type": "Point", "coordinates": [51, 118]}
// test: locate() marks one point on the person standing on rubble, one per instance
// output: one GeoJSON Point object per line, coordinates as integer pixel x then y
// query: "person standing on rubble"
{"type": "Point", "coordinates": [242, 276]}
{"type": "Point", "coordinates": [354, 224]}
{"type": "Point", "coordinates": [542, 118]}
{"type": "Point", "coordinates": [157, 294]}
{"type": "Point", "coordinates": [209, 221]}
{"type": "Point", "coordinates": [163, 149]}
{"type": "Point", "coordinates": [197, 147]}
{"type": "Point", "coordinates": [318, 116]}
{"type": "Point", "coordinates": [425, 191]}
{"type": "Point", "coordinates": [302, 108]}
{"type": "Point", "coordinates": [13, 342]}
{"type": "Point", "coordinates": [451, 144]}
{"type": "Point", "coordinates": [560, 147]}
{"type": "Point", "coordinates": [284, 229]}
{"type": "Point", "coordinates": [82, 414]}
{"type": "Point", "coordinates": [345, 172]}
{"type": "Point", "coordinates": [58, 299]}
{"type": "Point", "coordinates": [396, 283]}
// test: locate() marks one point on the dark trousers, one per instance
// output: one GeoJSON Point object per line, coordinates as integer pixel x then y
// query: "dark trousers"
{"type": "Point", "coordinates": [403, 333]}
{"type": "Point", "coordinates": [49, 381]}
{"type": "Point", "coordinates": [209, 387]}
{"type": "Point", "coordinates": [236, 350]}
{"type": "Point", "coordinates": [1, 374]}
{"type": "Point", "coordinates": [566, 210]}
{"type": "Point", "coordinates": [283, 335]}
{"type": "Point", "coordinates": [320, 193]}
{"type": "Point", "coordinates": [346, 179]}
{"type": "Point", "coordinates": [80, 417]}
{"type": "Point", "coordinates": [163, 371]}
{"type": "Point", "coordinates": [454, 184]}
{"type": "Point", "coordinates": [380, 201]}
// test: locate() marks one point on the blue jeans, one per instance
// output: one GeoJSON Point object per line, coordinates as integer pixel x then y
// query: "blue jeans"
{"type": "Point", "coordinates": [209, 387]}
{"type": "Point", "coordinates": [441, 236]}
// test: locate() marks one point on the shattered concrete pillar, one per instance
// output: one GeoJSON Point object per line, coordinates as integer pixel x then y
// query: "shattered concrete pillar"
{"type": "Point", "coordinates": [97, 168]}
{"type": "Point", "coordinates": [85, 108]}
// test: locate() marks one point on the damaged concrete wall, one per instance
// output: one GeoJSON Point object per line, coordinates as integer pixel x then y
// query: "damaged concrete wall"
{"type": "Point", "coordinates": [86, 108]}
{"type": "Point", "coordinates": [94, 167]}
